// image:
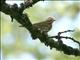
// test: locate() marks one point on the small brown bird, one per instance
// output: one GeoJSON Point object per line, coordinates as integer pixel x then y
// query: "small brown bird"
{"type": "Point", "coordinates": [45, 26]}
{"type": "Point", "coordinates": [28, 1]}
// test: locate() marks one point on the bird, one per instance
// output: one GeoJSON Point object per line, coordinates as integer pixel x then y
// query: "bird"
{"type": "Point", "coordinates": [45, 26]}
{"type": "Point", "coordinates": [28, 1]}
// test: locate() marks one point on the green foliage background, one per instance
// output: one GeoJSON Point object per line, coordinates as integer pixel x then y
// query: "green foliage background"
{"type": "Point", "coordinates": [16, 40]}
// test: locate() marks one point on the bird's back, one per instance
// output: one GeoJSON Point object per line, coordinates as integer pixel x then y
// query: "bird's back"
{"type": "Point", "coordinates": [45, 25]}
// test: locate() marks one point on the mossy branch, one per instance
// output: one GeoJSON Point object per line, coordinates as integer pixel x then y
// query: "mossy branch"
{"type": "Point", "coordinates": [17, 13]}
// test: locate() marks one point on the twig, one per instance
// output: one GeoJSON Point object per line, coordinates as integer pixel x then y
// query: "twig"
{"type": "Point", "coordinates": [60, 37]}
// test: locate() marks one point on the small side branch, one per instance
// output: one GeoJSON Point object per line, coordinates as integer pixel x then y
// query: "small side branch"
{"type": "Point", "coordinates": [66, 49]}
{"type": "Point", "coordinates": [60, 37]}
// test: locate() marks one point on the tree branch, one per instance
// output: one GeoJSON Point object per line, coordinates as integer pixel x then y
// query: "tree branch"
{"type": "Point", "coordinates": [16, 12]}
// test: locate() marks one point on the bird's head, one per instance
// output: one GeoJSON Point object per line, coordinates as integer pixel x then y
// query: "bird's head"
{"type": "Point", "coordinates": [50, 20]}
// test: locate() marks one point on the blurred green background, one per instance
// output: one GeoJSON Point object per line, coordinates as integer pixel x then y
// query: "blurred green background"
{"type": "Point", "coordinates": [16, 42]}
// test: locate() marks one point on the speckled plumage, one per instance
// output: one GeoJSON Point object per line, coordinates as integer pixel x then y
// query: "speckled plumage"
{"type": "Point", "coordinates": [45, 26]}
